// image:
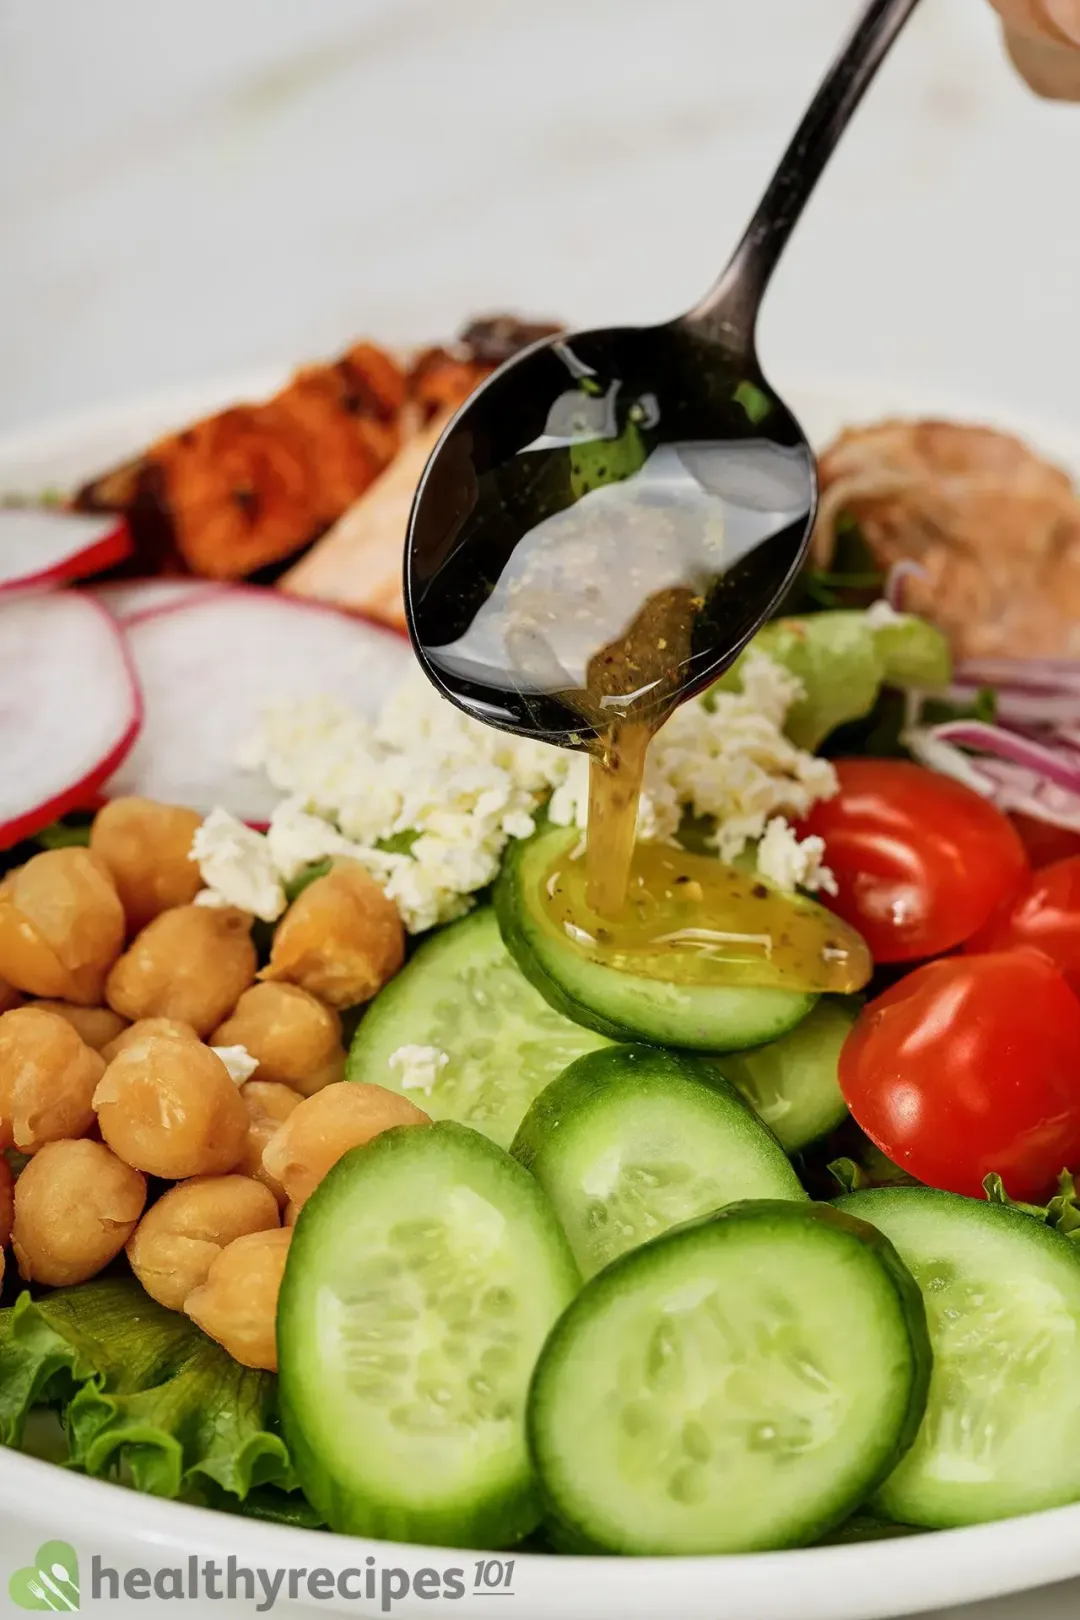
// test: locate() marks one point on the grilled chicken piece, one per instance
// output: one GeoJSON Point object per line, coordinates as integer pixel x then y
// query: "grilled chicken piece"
{"type": "Point", "coordinates": [491, 339]}
{"type": "Point", "coordinates": [358, 565]}
{"type": "Point", "coordinates": [442, 379]}
{"type": "Point", "coordinates": [995, 528]}
{"type": "Point", "coordinates": [254, 484]}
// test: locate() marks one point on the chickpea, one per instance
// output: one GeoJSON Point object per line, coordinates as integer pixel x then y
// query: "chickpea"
{"type": "Point", "coordinates": [237, 1304]}
{"type": "Point", "coordinates": [97, 1026]}
{"type": "Point", "coordinates": [326, 1126]}
{"type": "Point", "coordinates": [269, 1105]}
{"type": "Point", "coordinates": [76, 1205]}
{"type": "Point", "coordinates": [7, 1202]}
{"type": "Point", "coordinates": [295, 1039]}
{"type": "Point", "coordinates": [291, 1215]}
{"type": "Point", "coordinates": [192, 963]}
{"type": "Point", "coordinates": [9, 996]}
{"type": "Point", "coordinates": [137, 1032]}
{"type": "Point", "coordinates": [61, 926]}
{"type": "Point", "coordinates": [341, 938]}
{"type": "Point", "coordinates": [178, 1240]}
{"type": "Point", "coordinates": [169, 1107]}
{"type": "Point", "coordinates": [147, 849]}
{"type": "Point", "coordinates": [47, 1080]}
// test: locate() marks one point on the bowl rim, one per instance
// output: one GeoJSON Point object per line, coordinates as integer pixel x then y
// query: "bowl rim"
{"type": "Point", "coordinates": [921, 1571]}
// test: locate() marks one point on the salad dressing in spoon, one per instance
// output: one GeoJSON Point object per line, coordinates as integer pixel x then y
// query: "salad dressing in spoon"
{"type": "Point", "coordinates": [599, 533]}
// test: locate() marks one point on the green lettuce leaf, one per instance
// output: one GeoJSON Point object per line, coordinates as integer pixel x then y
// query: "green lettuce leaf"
{"type": "Point", "coordinates": [269, 1503]}
{"type": "Point", "coordinates": [843, 661]}
{"type": "Point", "coordinates": [67, 834]}
{"type": "Point", "coordinates": [864, 1164]}
{"type": "Point", "coordinates": [1061, 1212]}
{"type": "Point", "coordinates": [864, 1527]}
{"type": "Point", "coordinates": [143, 1393]}
{"type": "Point", "coordinates": [303, 879]}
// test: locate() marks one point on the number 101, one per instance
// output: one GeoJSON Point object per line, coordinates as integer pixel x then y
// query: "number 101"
{"type": "Point", "coordinates": [494, 1574]}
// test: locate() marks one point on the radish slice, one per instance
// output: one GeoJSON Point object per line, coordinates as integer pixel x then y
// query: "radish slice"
{"type": "Point", "coordinates": [42, 546]}
{"type": "Point", "coordinates": [131, 599]}
{"type": "Point", "coordinates": [69, 707]}
{"type": "Point", "coordinates": [210, 667]}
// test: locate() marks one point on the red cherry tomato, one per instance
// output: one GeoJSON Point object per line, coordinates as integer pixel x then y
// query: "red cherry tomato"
{"type": "Point", "coordinates": [971, 1065]}
{"type": "Point", "coordinates": [921, 861]}
{"type": "Point", "coordinates": [1045, 914]}
{"type": "Point", "coordinates": [1043, 841]}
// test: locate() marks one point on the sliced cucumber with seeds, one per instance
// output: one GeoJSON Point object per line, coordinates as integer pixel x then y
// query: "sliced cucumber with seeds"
{"type": "Point", "coordinates": [626, 1006]}
{"type": "Point", "coordinates": [424, 1275]}
{"type": "Point", "coordinates": [630, 1142]}
{"type": "Point", "coordinates": [793, 1082]}
{"type": "Point", "coordinates": [1001, 1434]}
{"type": "Point", "coordinates": [463, 996]}
{"type": "Point", "coordinates": [741, 1383]}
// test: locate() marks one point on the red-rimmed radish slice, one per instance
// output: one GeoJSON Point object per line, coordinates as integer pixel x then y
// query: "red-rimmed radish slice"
{"type": "Point", "coordinates": [69, 707]}
{"type": "Point", "coordinates": [40, 545]}
{"type": "Point", "coordinates": [130, 599]}
{"type": "Point", "coordinates": [210, 667]}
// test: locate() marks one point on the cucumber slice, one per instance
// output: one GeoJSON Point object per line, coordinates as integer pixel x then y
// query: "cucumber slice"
{"type": "Point", "coordinates": [622, 1005]}
{"type": "Point", "coordinates": [792, 1083]}
{"type": "Point", "coordinates": [424, 1275]}
{"type": "Point", "coordinates": [741, 1383]}
{"type": "Point", "coordinates": [463, 995]}
{"type": "Point", "coordinates": [1001, 1434]}
{"type": "Point", "coordinates": [630, 1142]}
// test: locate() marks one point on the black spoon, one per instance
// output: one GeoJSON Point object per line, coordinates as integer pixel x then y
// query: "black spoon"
{"type": "Point", "coordinates": [609, 452]}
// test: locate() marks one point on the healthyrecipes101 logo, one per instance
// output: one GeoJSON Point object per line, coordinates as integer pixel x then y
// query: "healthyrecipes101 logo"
{"type": "Point", "coordinates": [51, 1582]}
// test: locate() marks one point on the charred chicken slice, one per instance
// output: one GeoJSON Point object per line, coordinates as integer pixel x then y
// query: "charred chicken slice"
{"type": "Point", "coordinates": [251, 485]}
{"type": "Point", "coordinates": [995, 529]}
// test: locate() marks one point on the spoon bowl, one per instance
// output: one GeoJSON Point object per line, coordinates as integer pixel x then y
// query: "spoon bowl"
{"type": "Point", "coordinates": [605, 523]}
{"type": "Point", "coordinates": [581, 443]}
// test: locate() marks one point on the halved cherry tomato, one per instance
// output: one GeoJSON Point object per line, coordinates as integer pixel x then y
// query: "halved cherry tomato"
{"type": "Point", "coordinates": [921, 861]}
{"type": "Point", "coordinates": [971, 1065]}
{"type": "Point", "coordinates": [1044, 842]}
{"type": "Point", "coordinates": [1046, 914]}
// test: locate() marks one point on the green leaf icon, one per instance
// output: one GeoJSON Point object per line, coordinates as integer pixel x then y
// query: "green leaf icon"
{"type": "Point", "coordinates": [51, 1583]}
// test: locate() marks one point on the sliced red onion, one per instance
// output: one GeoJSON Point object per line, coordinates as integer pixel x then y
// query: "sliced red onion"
{"type": "Point", "coordinates": [1025, 674]}
{"type": "Point", "coordinates": [1010, 786]}
{"type": "Point", "coordinates": [937, 755]}
{"type": "Point", "coordinates": [1029, 760]}
{"type": "Point", "coordinates": [1060, 765]}
{"type": "Point", "coordinates": [1018, 789]}
{"type": "Point", "coordinates": [900, 571]}
{"type": "Point", "coordinates": [1017, 706]}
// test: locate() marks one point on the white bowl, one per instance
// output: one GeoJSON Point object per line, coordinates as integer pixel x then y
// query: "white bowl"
{"type": "Point", "coordinates": [130, 1534]}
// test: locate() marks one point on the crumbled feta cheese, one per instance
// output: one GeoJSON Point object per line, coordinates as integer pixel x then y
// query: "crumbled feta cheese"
{"type": "Point", "coordinates": [428, 798]}
{"type": "Point", "coordinates": [236, 862]}
{"type": "Point", "coordinates": [792, 863]}
{"type": "Point", "coordinates": [419, 1067]}
{"type": "Point", "coordinates": [239, 1062]}
{"type": "Point", "coordinates": [425, 778]}
{"type": "Point", "coordinates": [728, 760]}
{"type": "Point", "coordinates": [881, 614]}
{"type": "Point", "coordinates": [296, 839]}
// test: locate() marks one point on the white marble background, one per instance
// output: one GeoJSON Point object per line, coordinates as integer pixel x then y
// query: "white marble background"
{"type": "Point", "coordinates": [197, 187]}
{"type": "Point", "coordinates": [190, 187]}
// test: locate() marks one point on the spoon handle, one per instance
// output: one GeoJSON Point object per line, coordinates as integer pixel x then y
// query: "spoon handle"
{"type": "Point", "coordinates": [728, 313]}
